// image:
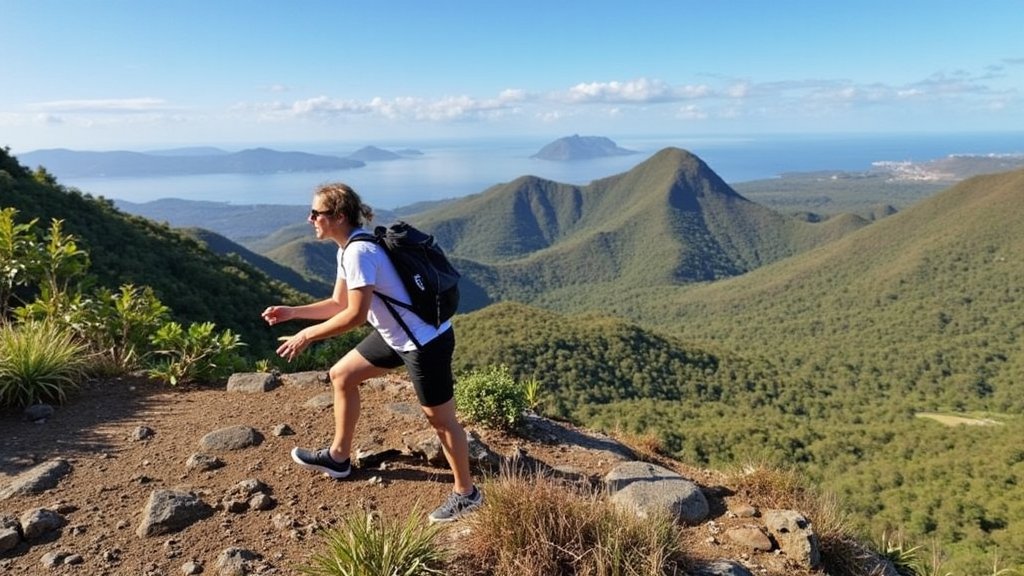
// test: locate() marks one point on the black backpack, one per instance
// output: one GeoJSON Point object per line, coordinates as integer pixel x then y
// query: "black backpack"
{"type": "Point", "coordinates": [428, 276]}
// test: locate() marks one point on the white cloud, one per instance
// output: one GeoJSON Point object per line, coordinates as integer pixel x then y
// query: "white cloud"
{"type": "Point", "coordinates": [107, 106]}
{"type": "Point", "coordinates": [691, 112]}
{"type": "Point", "coordinates": [641, 90]}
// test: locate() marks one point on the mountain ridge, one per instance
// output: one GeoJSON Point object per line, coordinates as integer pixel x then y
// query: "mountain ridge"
{"type": "Point", "coordinates": [668, 220]}
{"type": "Point", "coordinates": [77, 164]}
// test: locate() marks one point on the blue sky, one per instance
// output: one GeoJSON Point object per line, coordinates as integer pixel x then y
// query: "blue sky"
{"type": "Point", "coordinates": [134, 74]}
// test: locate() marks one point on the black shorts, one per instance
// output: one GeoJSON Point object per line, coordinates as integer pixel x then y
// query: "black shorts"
{"type": "Point", "coordinates": [430, 367]}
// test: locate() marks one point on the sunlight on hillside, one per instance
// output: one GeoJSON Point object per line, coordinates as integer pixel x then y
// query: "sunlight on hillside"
{"type": "Point", "coordinates": [957, 420]}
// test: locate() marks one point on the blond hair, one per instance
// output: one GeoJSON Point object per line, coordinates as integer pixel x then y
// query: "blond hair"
{"type": "Point", "coordinates": [340, 199]}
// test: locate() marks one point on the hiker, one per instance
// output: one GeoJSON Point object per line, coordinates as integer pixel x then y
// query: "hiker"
{"type": "Point", "coordinates": [364, 270]}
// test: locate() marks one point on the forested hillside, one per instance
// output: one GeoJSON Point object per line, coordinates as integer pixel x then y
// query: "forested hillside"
{"type": "Point", "coordinates": [197, 284]}
{"type": "Point", "coordinates": [730, 331]}
{"type": "Point", "coordinates": [834, 361]}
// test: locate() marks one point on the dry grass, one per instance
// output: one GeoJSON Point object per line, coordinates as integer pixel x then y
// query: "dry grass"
{"type": "Point", "coordinates": [533, 524]}
{"type": "Point", "coordinates": [843, 554]}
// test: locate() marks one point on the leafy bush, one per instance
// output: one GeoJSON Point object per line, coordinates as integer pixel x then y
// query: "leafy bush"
{"type": "Point", "coordinates": [115, 327]}
{"type": "Point", "coordinates": [196, 355]}
{"type": "Point", "coordinates": [19, 256]}
{"type": "Point", "coordinates": [39, 361]}
{"type": "Point", "coordinates": [491, 397]}
{"type": "Point", "coordinates": [371, 546]}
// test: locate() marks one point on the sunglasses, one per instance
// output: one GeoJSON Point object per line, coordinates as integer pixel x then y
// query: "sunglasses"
{"type": "Point", "coordinates": [314, 213]}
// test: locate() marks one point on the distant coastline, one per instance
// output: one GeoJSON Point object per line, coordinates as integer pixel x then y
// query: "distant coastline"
{"type": "Point", "coordinates": [447, 169]}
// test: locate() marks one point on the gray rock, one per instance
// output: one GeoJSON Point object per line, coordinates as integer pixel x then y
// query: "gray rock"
{"type": "Point", "coordinates": [39, 412]}
{"type": "Point", "coordinates": [722, 568]}
{"type": "Point", "coordinates": [230, 438]}
{"type": "Point", "coordinates": [249, 487]}
{"type": "Point", "coordinates": [170, 511]}
{"type": "Point", "coordinates": [40, 521]}
{"type": "Point", "coordinates": [325, 400]}
{"type": "Point", "coordinates": [36, 479]}
{"type": "Point", "coordinates": [203, 463]}
{"type": "Point", "coordinates": [10, 533]}
{"type": "Point", "coordinates": [54, 558]}
{"type": "Point", "coordinates": [142, 433]}
{"type": "Point", "coordinates": [648, 489]}
{"type": "Point", "coordinates": [261, 502]}
{"type": "Point", "coordinates": [236, 562]}
{"type": "Point", "coordinates": [406, 409]}
{"type": "Point", "coordinates": [282, 430]}
{"type": "Point", "coordinates": [481, 455]}
{"type": "Point", "coordinates": [252, 382]}
{"type": "Point", "coordinates": [374, 458]}
{"type": "Point", "coordinates": [426, 444]}
{"type": "Point", "coordinates": [795, 536]}
{"type": "Point", "coordinates": [313, 379]}
{"type": "Point", "coordinates": [191, 568]}
{"type": "Point", "coordinates": [750, 537]}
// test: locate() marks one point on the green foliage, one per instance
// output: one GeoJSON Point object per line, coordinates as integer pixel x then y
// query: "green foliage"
{"type": "Point", "coordinates": [490, 396]}
{"type": "Point", "coordinates": [39, 361]}
{"type": "Point", "coordinates": [373, 546]}
{"type": "Point", "coordinates": [196, 355]}
{"type": "Point", "coordinates": [904, 557]}
{"type": "Point", "coordinates": [531, 393]}
{"type": "Point", "coordinates": [320, 355]}
{"type": "Point", "coordinates": [119, 326]}
{"type": "Point", "coordinates": [582, 360]}
{"type": "Point", "coordinates": [193, 282]}
{"type": "Point", "coordinates": [19, 256]}
{"type": "Point", "coordinates": [51, 264]}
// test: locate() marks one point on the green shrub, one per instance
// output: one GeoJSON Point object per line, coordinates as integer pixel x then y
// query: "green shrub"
{"type": "Point", "coordinates": [115, 327]}
{"type": "Point", "coordinates": [39, 361]}
{"type": "Point", "coordinates": [370, 546]}
{"type": "Point", "coordinates": [491, 397]}
{"type": "Point", "coordinates": [196, 355]}
{"type": "Point", "coordinates": [19, 256]}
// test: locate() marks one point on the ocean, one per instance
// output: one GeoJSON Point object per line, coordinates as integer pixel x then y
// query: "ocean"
{"type": "Point", "coordinates": [453, 169]}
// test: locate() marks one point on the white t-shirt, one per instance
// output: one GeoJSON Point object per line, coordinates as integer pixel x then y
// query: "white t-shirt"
{"type": "Point", "coordinates": [367, 264]}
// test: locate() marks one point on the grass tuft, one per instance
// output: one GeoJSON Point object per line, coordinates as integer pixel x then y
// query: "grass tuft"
{"type": "Point", "coordinates": [534, 525]}
{"type": "Point", "coordinates": [39, 362]}
{"type": "Point", "coordinates": [372, 546]}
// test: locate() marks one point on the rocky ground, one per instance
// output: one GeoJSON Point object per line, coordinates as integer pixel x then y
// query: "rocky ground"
{"type": "Point", "coordinates": [126, 439]}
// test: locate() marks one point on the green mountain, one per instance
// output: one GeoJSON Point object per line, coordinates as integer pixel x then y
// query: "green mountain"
{"type": "Point", "coordinates": [238, 222]}
{"type": "Point", "coordinates": [312, 258]}
{"type": "Point", "coordinates": [835, 361]}
{"type": "Point", "coordinates": [78, 164]}
{"type": "Point", "coordinates": [221, 245]}
{"type": "Point", "coordinates": [197, 284]}
{"type": "Point", "coordinates": [925, 302]}
{"type": "Point", "coordinates": [667, 221]}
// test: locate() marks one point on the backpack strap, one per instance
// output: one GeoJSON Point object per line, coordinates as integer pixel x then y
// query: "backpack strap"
{"type": "Point", "coordinates": [389, 302]}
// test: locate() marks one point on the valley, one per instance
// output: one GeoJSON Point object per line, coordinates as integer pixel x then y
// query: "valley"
{"type": "Point", "coordinates": [663, 301]}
